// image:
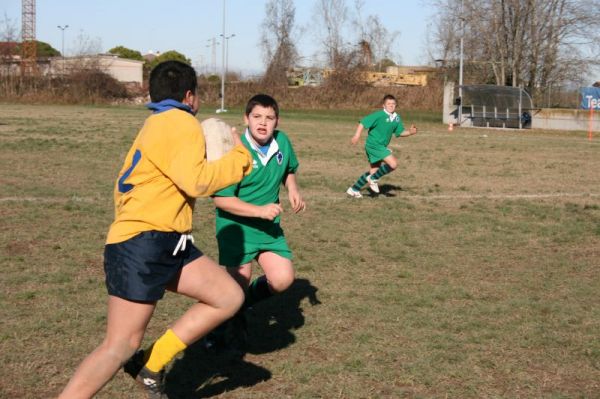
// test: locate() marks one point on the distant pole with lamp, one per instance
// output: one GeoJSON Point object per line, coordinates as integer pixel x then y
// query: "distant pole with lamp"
{"type": "Point", "coordinates": [226, 38]}
{"type": "Point", "coordinates": [222, 109]}
{"type": "Point", "coordinates": [62, 51]}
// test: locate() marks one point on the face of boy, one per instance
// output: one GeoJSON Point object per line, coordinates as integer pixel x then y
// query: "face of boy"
{"type": "Point", "coordinates": [261, 123]}
{"type": "Point", "coordinates": [389, 106]}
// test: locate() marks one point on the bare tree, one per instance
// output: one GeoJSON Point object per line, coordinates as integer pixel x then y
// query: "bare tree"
{"type": "Point", "coordinates": [8, 36]}
{"type": "Point", "coordinates": [380, 38]}
{"type": "Point", "coordinates": [331, 16]}
{"type": "Point", "coordinates": [534, 43]}
{"type": "Point", "coordinates": [279, 50]}
{"type": "Point", "coordinates": [8, 29]}
{"type": "Point", "coordinates": [373, 33]}
{"type": "Point", "coordinates": [85, 45]}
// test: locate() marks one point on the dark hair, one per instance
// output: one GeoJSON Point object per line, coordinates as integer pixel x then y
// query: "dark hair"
{"type": "Point", "coordinates": [264, 100]}
{"type": "Point", "coordinates": [170, 80]}
{"type": "Point", "coordinates": [388, 97]}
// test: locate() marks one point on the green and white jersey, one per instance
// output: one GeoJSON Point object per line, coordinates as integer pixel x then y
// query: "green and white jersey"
{"type": "Point", "coordinates": [262, 185]}
{"type": "Point", "coordinates": [381, 126]}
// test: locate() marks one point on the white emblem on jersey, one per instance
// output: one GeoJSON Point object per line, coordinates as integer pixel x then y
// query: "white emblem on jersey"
{"type": "Point", "coordinates": [254, 164]}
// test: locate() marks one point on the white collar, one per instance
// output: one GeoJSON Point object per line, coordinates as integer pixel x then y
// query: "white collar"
{"type": "Point", "coordinates": [392, 117]}
{"type": "Point", "coordinates": [264, 158]}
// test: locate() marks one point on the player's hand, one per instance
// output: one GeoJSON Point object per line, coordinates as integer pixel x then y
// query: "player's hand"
{"type": "Point", "coordinates": [236, 137]}
{"type": "Point", "coordinates": [355, 139]}
{"type": "Point", "coordinates": [296, 202]}
{"type": "Point", "coordinates": [270, 211]}
{"type": "Point", "coordinates": [413, 129]}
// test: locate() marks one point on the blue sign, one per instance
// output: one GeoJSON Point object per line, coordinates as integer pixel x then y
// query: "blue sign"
{"type": "Point", "coordinates": [590, 98]}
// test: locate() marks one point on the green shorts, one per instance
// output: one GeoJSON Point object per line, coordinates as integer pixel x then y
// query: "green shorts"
{"type": "Point", "coordinates": [239, 246]}
{"type": "Point", "coordinates": [376, 153]}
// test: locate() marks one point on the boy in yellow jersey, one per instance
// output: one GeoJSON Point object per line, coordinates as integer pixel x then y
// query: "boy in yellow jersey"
{"type": "Point", "coordinates": [149, 248]}
{"type": "Point", "coordinates": [381, 125]}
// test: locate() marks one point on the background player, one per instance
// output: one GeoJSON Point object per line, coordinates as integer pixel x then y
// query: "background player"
{"type": "Point", "coordinates": [381, 125]}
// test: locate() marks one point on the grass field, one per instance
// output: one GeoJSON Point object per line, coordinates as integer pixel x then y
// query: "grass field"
{"type": "Point", "coordinates": [475, 275]}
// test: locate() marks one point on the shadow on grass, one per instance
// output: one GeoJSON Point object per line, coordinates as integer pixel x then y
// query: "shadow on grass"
{"type": "Point", "coordinates": [386, 190]}
{"type": "Point", "coordinates": [202, 374]}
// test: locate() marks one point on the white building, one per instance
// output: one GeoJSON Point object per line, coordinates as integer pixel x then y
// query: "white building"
{"type": "Point", "coordinates": [122, 69]}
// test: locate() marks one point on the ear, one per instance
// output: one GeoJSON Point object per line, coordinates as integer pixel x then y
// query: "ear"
{"type": "Point", "coordinates": [188, 99]}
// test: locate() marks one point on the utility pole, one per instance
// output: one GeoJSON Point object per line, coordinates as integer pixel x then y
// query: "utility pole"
{"type": "Point", "coordinates": [208, 60]}
{"type": "Point", "coordinates": [213, 59]}
{"type": "Point", "coordinates": [222, 109]}
{"type": "Point", "coordinates": [226, 38]}
{"type": "Point", "coordinates": [62, 51]}
{"type": "Point", "coordinates": [460, 67]}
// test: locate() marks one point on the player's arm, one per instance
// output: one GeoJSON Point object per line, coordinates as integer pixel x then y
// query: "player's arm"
{"type": "Point", "coordinates": [294, 196]}
{"type": "Point", "coordinates": [409, 132]}
{"type": "Point", "coordinates": [188, 168]}
{"type": "Point", "coordinates": [236, 206]}
{"type": "Point", "coordinates": [356, 136]}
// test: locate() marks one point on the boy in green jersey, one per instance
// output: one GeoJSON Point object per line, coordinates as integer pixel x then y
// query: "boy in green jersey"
{"type": "Point", "coordinates": [248, 213]}
{"type": "Point", "coordinates": [381, 125]}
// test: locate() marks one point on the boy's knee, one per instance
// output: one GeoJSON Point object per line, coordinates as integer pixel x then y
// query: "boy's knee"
{"type": "Point", "coordinates": [121, 348]}
{"type": "Point", "coordinates": [282, 281]}
{"type": "Point", "coordinates": [393, 164]}
{"type": "Point", "coordinates": [232, 299]}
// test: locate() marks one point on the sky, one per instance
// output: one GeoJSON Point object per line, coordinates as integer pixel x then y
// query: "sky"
{"type": "Point", "coordinates": [189, 28]}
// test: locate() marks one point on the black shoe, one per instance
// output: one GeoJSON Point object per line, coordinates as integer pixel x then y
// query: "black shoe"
{"type": "Point", "coordinates": [214, 341]}
{"type": "Point", "coordinates": [229, 338]}
{"type": "Point", "coordinates": [151, 382]}
{"type": "Point", "coordinates": [236, 335]}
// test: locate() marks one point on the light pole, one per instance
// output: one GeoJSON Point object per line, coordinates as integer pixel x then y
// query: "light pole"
{"type": "Point", "coordinates": [62, 51]}
{"type": "Point", "coordinates": [460, 67]}
{"type": "Point", "coordinates": [208, 60]}
{"type": "Point", "coordinates": [226, 38]}
{"type": "Point", "coordinates": [222, 109]}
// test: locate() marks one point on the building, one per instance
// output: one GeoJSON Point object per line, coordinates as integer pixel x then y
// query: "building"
{"type": "Point", "coordinates": [122, 69]}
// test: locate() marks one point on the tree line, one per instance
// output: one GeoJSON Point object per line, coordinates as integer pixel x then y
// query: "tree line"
{"type": "Point", "coordinates": [535, 44]}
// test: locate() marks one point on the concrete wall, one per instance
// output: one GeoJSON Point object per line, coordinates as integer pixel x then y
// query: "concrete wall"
{"type": "Point", "coordinates": [566, 119]}
{"type": "Point", "coordinates": [450, 112]}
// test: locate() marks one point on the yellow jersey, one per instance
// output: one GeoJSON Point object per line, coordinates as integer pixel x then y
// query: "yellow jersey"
{"type": "Point", "coordinates": [164, 172]}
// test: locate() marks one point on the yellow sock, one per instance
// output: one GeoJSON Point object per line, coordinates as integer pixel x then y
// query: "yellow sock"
{"type": "Point", "coordinates": [163, 351]}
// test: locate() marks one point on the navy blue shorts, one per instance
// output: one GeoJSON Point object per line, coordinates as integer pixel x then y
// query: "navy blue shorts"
{"type": "Point", "coordinates": [140, 268]}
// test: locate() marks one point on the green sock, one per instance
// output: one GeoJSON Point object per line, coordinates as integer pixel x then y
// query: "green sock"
{"type": "Point", "coordinates": [383, 170]}
{"type": "Point", "coordinates": [257, 291]}
{"type": "Point", "coordinates": [362, 180]}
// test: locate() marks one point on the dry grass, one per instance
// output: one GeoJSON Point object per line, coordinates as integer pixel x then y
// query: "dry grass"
{"type": "Point", "coordinates": [328, 96]}
{"type": "Point", "coordinates": [475, 274]}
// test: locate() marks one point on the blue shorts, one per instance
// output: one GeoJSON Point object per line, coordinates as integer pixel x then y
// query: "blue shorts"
{"type": "Point", "coordinates": [140, 268]}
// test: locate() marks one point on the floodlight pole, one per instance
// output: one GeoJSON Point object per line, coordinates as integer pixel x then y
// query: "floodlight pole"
{"type": "Point", "coordinates": [460, 67]}
{"type": "Point", "coordinates": [208, 59]}
{"type": "Point", "coordinates": [222, 109]}
{"type": "Point", "coordinates": [62, 53]}
{"type": "Point", "coordinates": [226, 38]}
